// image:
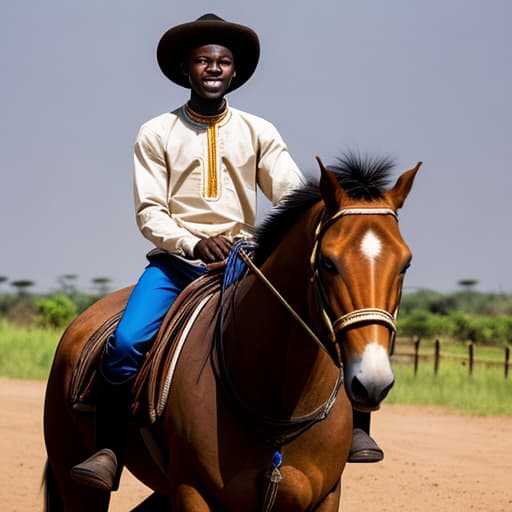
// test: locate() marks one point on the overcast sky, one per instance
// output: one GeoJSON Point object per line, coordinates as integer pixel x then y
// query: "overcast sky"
{"type": "Point", "coordinates": [416, 80]}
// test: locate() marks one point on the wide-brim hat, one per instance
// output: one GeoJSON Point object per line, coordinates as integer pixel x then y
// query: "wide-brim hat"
{"type": "Point", "coordinates": [177, 42]}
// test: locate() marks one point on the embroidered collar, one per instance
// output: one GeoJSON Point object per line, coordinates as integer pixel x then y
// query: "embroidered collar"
{"type": "Point", "coordinates": [202, 119]}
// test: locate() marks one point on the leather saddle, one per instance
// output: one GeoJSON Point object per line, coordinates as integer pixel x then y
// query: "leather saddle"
{"type": "Point", "coordinates": [152, 382]}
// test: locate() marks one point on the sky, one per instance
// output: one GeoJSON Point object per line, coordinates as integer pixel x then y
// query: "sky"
{"type": "Point", "coordinates": [410, 79]}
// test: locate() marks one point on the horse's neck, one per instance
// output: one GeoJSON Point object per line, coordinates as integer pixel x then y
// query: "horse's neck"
{"type": "Point", "coordinates": [275, 365]}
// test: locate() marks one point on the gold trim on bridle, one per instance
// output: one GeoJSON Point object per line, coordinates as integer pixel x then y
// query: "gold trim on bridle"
{"type": "Point", "coordinates": [358, 316]}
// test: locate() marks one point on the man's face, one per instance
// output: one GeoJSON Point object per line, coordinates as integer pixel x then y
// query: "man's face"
{"type": "Point", "coordinates": [210, 69]}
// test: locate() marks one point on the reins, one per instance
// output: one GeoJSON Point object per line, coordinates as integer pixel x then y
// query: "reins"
{"type": "Point", "coordinates": [295, 426]}
{"type": "Point", "coordinates": [283, 431]}
{"type": "Point", "coordinates": [248, 261]}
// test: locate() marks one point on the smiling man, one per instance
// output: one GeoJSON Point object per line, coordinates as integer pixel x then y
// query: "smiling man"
{"type": "Point", "coordinates": [197, 170]}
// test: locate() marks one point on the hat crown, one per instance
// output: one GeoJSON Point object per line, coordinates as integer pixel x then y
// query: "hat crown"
{"type": "Point", "coordinates": [209, 17]}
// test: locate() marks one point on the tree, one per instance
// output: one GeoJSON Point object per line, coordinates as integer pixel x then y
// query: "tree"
{"type": "Point", "coordinates": [101, 284]}
{"type": "Point", "coordinates": [467, 284]}
{"type": "Point", "coordinates": [22, 286]}
{"type": "Point", "coordinates": [67, 283]}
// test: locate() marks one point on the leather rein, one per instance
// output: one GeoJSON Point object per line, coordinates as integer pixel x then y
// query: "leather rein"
{"type": "Point", "coordinates": [285, 430]}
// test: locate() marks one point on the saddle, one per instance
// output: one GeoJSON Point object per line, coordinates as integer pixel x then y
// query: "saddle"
{"type": "Point", "coordinates": [152, 383]}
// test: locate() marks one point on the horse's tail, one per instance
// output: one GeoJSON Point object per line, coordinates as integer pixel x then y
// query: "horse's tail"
{"type": "Point", "coordinates": [52, 499]}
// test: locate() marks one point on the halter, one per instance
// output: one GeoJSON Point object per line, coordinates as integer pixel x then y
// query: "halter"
{"type": "Point", "coordinates": [358, 316]}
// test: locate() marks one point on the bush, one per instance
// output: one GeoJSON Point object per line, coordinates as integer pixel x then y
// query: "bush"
{"type": "Point", "coordinates": [56, 312]}
{"type": "Point", "coordinates": [484, 330]}
{"type": "Point", "coordinates": [22, 310]}
{"type": "Point", "coordinates": [424, 324]}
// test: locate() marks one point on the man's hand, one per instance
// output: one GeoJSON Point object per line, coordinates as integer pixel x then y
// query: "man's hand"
{"type": "Point", "coordinates": [215, 248]}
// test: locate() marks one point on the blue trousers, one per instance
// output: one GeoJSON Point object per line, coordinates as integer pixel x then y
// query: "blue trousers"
{"type": "Point", "coordinates": [159, 285]}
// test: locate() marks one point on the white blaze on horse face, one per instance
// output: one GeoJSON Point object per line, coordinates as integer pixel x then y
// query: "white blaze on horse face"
{"type": "Point", "coordinates": [371, 246]}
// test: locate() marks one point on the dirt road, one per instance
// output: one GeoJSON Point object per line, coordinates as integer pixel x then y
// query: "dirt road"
{"type": "Point", "coordinates": [435, 461]}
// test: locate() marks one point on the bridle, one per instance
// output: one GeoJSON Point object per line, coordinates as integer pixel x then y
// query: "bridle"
{"type": "Point", "coordinates": [283, 430]}
{"type": "Point", "coordinates": [295, 426]}
{"type": "Point", "coordinates": [362, 316]}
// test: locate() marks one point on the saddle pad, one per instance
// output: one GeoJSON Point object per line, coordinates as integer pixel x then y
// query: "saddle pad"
{"type": "Point", "coordinates": [82, 381]}
{"type": "Point", "coordinates": [82, 395]}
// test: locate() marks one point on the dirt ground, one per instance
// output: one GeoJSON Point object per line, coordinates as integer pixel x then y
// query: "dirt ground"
{"type": "Point", "coordinates": [434, 460]}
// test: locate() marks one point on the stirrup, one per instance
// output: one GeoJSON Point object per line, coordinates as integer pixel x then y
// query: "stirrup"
{"type": "Point", "coordinates": [98, 471]}
{"type": "Point", "coordinates": [364, 448]}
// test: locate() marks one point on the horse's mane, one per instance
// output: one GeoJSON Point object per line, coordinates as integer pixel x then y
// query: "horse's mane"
{"type": "Point", "coordinates": [362, 177]}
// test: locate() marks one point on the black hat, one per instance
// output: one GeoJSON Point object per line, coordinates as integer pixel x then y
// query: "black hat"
{"type": "Point", "coordinates": [177, 42]}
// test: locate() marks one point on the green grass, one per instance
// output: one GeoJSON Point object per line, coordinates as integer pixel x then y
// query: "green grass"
{"type": "Point", "coordinates": [486, 392]}
{"type": "Point", "coordinates": [26, 353]}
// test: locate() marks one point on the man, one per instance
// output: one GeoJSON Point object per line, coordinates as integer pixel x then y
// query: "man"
{"type": "Point", "coordinates": [197, 170]}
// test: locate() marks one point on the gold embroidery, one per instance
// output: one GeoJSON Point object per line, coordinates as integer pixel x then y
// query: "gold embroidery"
{"type": "Point", "coordinates": [198, 118]}
{"type": "Point", "coordinates": [211, 183]}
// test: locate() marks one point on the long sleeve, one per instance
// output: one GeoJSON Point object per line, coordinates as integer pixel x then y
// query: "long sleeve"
{"type": "Point", "coordinates": [151, 182]}
{"type": "Point", "coordinates": [277, 174]}
{"type": "Point", "coordinates": [176, 160]}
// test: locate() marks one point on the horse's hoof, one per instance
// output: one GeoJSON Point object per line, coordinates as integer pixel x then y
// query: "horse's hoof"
{"type": "Point", "coordinates": [98, 471]}
{"type": "Point", "coordinates": [364, 448]}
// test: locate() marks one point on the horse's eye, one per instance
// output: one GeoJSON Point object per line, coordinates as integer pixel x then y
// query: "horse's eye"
{"type": "Point", "coordinates": [327, 265]}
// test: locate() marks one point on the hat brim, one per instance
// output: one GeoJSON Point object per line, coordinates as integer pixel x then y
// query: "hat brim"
{"type": "Point", "coordinates": [177, 42]}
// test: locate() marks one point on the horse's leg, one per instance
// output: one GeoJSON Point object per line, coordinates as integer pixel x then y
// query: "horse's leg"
{"type": "Point", "coordinates": [66, 496]}
{"type": "Point", "coordinates": [66, 443]}
{"type": "Point", "coordinates": [52, 498]}
{"type": "Point", "coordinates": [86, 500]}
{"type": "Point", "coordinates": [331, 503]}
{"type": "Point", "coordinates": [187, 498]}
{"type": "Point", "coordinates": [155, 503]}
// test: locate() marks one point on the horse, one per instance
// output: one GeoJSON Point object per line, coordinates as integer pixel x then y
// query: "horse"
{"type": "Point", "coordinates": [259, 411]}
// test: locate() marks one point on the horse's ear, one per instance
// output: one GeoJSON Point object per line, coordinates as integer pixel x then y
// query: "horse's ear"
{"type": "Point", "coordinates": [400, 191]}
{"type": "Point", "coordinates": [331, 190]}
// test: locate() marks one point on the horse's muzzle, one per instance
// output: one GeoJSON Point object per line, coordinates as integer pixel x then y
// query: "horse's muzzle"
{"type": "Point", "coordinates": [365, 398]}
{"type": "Point", "coordinates": [369, 377]}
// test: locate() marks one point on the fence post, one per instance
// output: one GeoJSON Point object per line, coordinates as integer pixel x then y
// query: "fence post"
{"type": "Point", "coordinates": [471, 351]}
{"type": "Point", "coordinates": [507, 359]}
{"type": "Point", "coordinates": [416, 354]}
{"type": "Point", "coordinates": [436, 357]}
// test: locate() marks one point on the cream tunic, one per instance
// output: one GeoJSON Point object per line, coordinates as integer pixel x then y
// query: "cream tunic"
{"type": "Point", "coordinates": [197, 177]}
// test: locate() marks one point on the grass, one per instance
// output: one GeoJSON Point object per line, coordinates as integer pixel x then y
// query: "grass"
{"type": "Point", "coordinates": [26, 353]}
{"type": "Point", "coordinates": [485, 392]}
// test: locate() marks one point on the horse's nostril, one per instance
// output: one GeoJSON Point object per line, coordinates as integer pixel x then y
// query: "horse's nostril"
{"type": "Point", "coordinates": [385, 391]}
{"type": "Point", "coordinates": [359, 391]}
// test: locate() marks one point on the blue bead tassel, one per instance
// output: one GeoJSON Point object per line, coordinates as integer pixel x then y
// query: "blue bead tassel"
{"type": "Point", "coordinates": [274, 479]}
{"type": "Point", "coordinates": [277, 459]}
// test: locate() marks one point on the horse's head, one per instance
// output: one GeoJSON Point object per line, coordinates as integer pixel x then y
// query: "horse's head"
{"type": "Point", "coordinates": [358, 263]}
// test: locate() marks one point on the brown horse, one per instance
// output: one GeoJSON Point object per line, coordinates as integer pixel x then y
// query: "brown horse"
{"type": "Point", "coordinates": [257, 417]}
